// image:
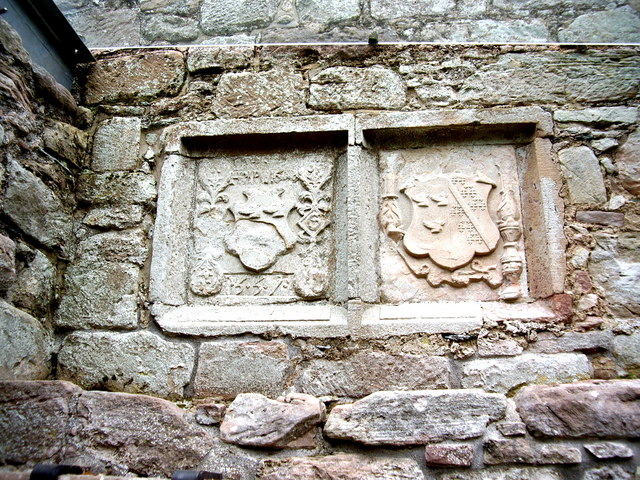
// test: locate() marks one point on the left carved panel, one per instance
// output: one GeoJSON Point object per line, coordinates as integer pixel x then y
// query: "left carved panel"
{"type": "Point", "coordinates": [262, 227]}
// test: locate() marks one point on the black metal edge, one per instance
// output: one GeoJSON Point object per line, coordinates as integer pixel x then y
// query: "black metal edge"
{"type": "Point", "coordinates": [53, 23]}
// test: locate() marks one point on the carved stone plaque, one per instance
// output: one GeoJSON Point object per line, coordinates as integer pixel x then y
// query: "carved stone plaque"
{"type": "Point", "coordinates": [451, 224]}
{"type": "Point", "coordinates": [262, 228]}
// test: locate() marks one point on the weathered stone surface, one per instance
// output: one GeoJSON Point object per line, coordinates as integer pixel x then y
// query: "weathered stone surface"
{"type": "Point", "coordinates": [581, 170]}
{"type": "Point", "coordinates": [230, 16]}
{"type": "Point", "coordinates": [368, 372]}
{"type": "Point", "coordinates": [551, 78]}
{"type": "Point", "coordinates": [586, 409]}
{"type": "Point", "coordinates": [340, 466]}
{"type": "Point", "coordinates": [600, 115]}
{"type": "Point", "coordinates": [229, 368]}
{"type": "Point", "coordinates": [25, 352]}
{"type": "Point", "coordinates": [388, 9]}
{"type": "Point", "coordinates": [100, 27]}
{"type": "Point", "coordinates": [88, 303]}
{"type": "Point", "coordinates": [449, 455]}
{"type": "Point", "coordinates": [518, 450]}
{"type": "Point", "coordinates": [531, 30]}
{"type": "Point", "coordinates": [614, 267]}
{"type": "Point", "coordinates": [136, 433]}
{"type": "Point", "coordinates": [512, 429]}
{"type": "Point", "coordinates": [588, 342]}
{"type": "Point", "coordinates": [602, 145]}
{"type": "Point", "coordinates": [505, 374]}
{"type": "Point", "coordinates": [66, 141]}
{"type": "Point", "coordinates": [33, 289]}
{"type": "Point", "coordinates": [492, 345]}
{"type": "Point", "coordinates": [210, 414]}
{"type": "Point", "coordinates": [177, 7]}
{"type": "Point", "coordinates": [117, 217]}
{"type": "Point", "coordinates": [7, 263]}
{"type": "Point", "coordinates": [328, 11]}
{"type": "Point", "coordinates": [627, 351]}
{"type": "Point", "coordinates": [613, 219]}
{"type": "Point", "coordinates": [254, 420]}
{"type": "Point", "coordinates": [609, 450]}
{"type": "Point", "coordinates": [218, 58]}
{"type": "Point", "coordinates": [174, 29]}
{"type": "Point", "coordinates": [129, 246]}
{"type": "Point", "coordinates": [137, 362]}
{"type": "Point", "coordinates": [36, 417]}
{"type": "Point", "coordinates": [620, 25]}
{"type": "Point", "coordinates": [416, 417]}
{"type": "Point", "coordinates": [136, 77]}
{"type": "Point", "coordinates": [116, 145]}
{"type": "Point", "coordinates": [35, 209]}
{"type": "Point", "coordinates": [558, 454]}
{"type": "Point", "coordinates": [628, 165]}
{"type": "Point", "coordinates": [117, 188]}
{"type": "Point", "coordinates": [501, 473]}
{"type": "Point", "coordinates": [347, 88]}
{"type": "Point", "coordinates": [269, 93]}
{"type": "Point", "coordinates": [609, 472]}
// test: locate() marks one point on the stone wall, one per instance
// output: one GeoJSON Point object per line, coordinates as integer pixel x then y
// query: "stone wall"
{"type": "Point", "coordinates": [363, 365]}
{"type": "Point", "coordinates": [110, 23]}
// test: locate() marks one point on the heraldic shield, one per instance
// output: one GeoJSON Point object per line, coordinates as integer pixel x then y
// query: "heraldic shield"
{"type": "Point", "coordinates": [450, 221]}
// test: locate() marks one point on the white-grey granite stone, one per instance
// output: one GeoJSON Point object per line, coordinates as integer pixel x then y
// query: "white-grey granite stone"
{"type": "Point", "coordinates": [581, 170]}
{"type": "Point", "coordinates": [598, 115]}
{"type": "Point", "coordinates": [388, 9]}
{"type": "Point", "coordinates": [627, 351]}
{"type": "Point", "coordinates": [619, 25]}
{"type": "Point", "coordinates": [116, 145]}
{"type": "Point", "coordinates": [232, 16]}
{"type": "Point", "coordinates": [33, 289]}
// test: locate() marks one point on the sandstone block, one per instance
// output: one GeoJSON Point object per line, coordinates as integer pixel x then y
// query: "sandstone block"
{"type": "Point", "coordinates": [130, 246]}
{"type": "Point", "coordinates": [368, 372]}
{"type": "Point", "coordinates": [628, 165]}
{"type": "Point", "coordinates": [588, 342]}
{"type": "Point", "coordinates": [116, 145]}
{"type": "Point", "coordinates": [490, 346]}
{"type": "Point", "coordinates": [512, 429]}
{"type": "Point", "coordinates": [254, 420]}
{"type": "Point", "coordinates": [347, 466]}
{"type": "Point", "coordinates": [518, 450]}
{"type": "Point", "coordinates": [627, 351]}
{"type": "Point", "coordinates": [218, 58]}
{"type": "Point", "coordinates": [174, 29]}
{"type": "Point", "coordinates": [614, 266]}
{"type": "Point", "coordinates": [229, 368]}
{"type": "Point", "coordinates": [552, 77]}
{"type": "Point", "coordinates": [35, 209]}
{"type": "Point", "coordinates": [33, 288]}
{"type": "Point", "coordinates": [87, 302]}
{"type": "Point", "coordinates": [581, 170]}
{"type": "Point", "coordinates": [612, 219]}
{"type": "Point", "coordinates": [389, 10]}
{"type": "Point", "coordinates": [585, 409]}
{"type": "Point", "coordinates": [272, 93]}
{"type": "Point", "coordinates": [138, 362]}
{"type": "Point", "coordinates": [145, 435]}
{"type": "Point", "coordinates": [25, 352]}
{"type": "Point", "coordinates": [505, 473]}
{"type": "Point", "coordinates": [116, 217]}
{"type": "Point", "coordinates": [66, 141]}
{"type": "Point", "coordinates": [36, 417]}
{"type": "Point", "coordinates": [328, 11]}
{"type": "Point", "coordinates": [135, 77]}
{"type": "Point", "coordinates": [619, 25]}
{"type": "Point", "coordinates": [348, 88]}
{"type": "Point", "coordinates": [449, 455]}
{"type": "Point", "coordinates": [230, 16]}
{"type": "Point", "coordinates": [599, 115]}
{"type": "Point", "coordinates": [117, 188]}
{"type": "Point", "coordinates": [416, 417]}
{"type": "Point", "coordinates": [504, 374]}
{"type": "Point", "coordinates": [609, 472]}
{"type": "Point", "coordinates": [609, 450]}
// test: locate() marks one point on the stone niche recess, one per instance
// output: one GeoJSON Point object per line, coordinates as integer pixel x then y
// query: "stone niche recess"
{"type": "Point", "coordinates": [363, 225]}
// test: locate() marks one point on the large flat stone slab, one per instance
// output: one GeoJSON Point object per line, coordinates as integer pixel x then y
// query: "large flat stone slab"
{"type": "Point", "coordinates": [415, 417]}
{"type": "Point", "coordinates": [586, 409]}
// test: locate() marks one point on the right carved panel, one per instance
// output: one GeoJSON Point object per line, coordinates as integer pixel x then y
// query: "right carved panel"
{"type": "Point", "coordinates": [451, 223]}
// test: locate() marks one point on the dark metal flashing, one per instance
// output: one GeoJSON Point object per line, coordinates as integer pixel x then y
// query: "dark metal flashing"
{"type": "Point", "coordinates": [47, 36]}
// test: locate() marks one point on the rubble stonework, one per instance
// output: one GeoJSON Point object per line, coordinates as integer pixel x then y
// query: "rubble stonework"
{"type": "Point", "coordinates": [436, 245]}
